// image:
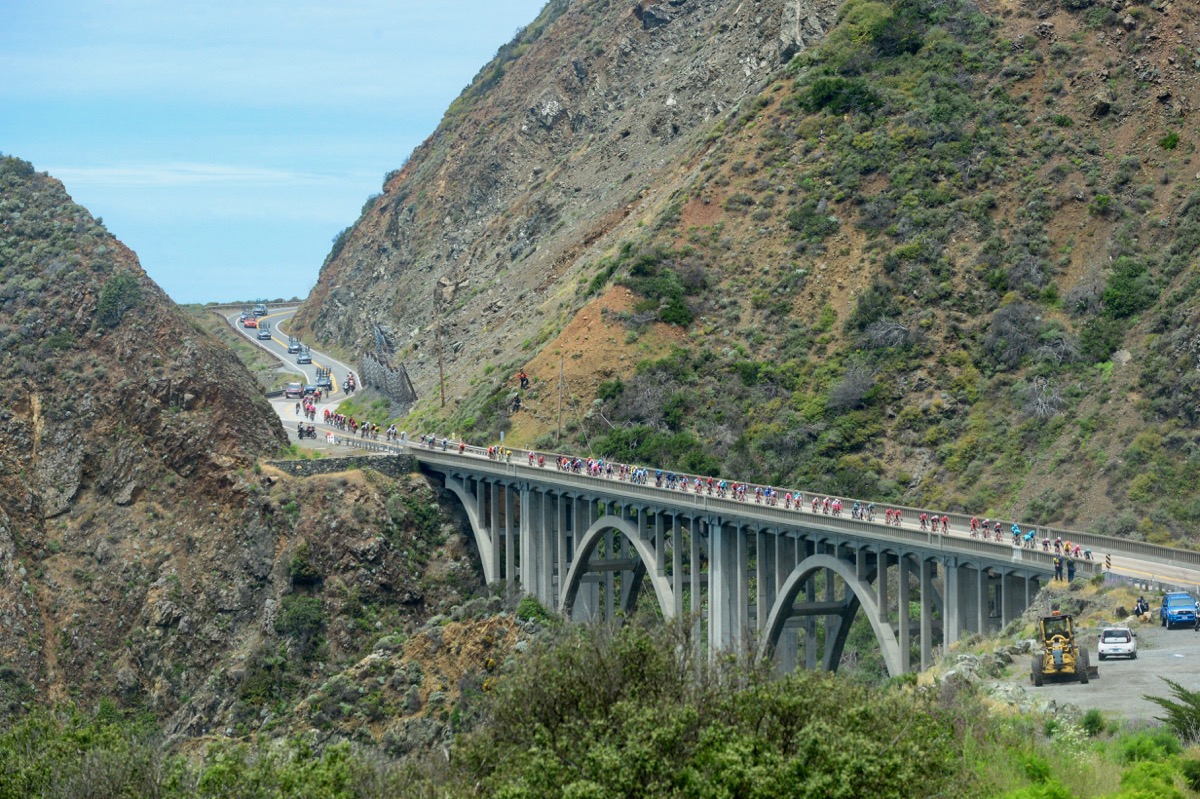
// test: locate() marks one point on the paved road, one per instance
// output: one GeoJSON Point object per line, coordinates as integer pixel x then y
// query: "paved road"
{"type": "Point", "coordinates": [278, 343]}
{"type": "Point", "coordinates": [307, 373]}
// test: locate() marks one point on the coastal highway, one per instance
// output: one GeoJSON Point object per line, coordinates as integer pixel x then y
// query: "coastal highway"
{"type": "Point", "coordinates": [304, 373]}
{"type": "Point", "coordinates": [278, 343]}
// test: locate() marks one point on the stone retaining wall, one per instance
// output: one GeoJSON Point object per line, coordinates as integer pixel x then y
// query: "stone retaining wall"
{"type": "Point", "coordinates": [390, 465]}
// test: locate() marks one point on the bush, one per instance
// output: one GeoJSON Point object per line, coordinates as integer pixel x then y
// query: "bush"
{"type": "Point", "coordinates": [1191, 772]}
{"type": "Point", "coordinates": [1036, 768]}
{"type": "Point", "coordinates": [1100, 338]}
{"type": "Point", "coordinates": [1150, 746]}
{"type": "Point", "coordinates": [120, 293]}
{"type": "Point", "coordinates": [301, 568]}
{"type": "Point", "coordinates": [812, 221]}
{"type": "Point", "coordinates": [1147, 780]}
{"type": "Point", "coordinates": [302, 619]}
{"type": "Point", "coordinates": [634, 712]}
{"type": "Point", "coordinates": [529, 609]}
{"type": "Point", "coordinates": [610, 389]}
{"type": "Point", "coordinates": [839, 96]}
{"type": "Point", "coordinates": [1130, 289]}
{"type": "Point", "coordinates": [1092, 722]}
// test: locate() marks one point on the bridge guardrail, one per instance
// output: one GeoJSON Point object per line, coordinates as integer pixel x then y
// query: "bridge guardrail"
{"type": "Point", "coordinates": [1099, 544]}
{"type": "Point", "coordinates": [368, 444]}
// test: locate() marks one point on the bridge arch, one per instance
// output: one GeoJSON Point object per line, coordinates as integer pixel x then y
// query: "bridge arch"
{"type": "Point", "coordinates": [483, 536]}
{"type": "Point", "coordinates": [645, 568]}
{"type": "Point", "coordinates": [860, 594]}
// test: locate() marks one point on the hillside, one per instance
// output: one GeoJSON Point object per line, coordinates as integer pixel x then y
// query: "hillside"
{"type": "Point", "coordinates": [149, 561]}
{"type": "Point", "coordinates": [938, 252]}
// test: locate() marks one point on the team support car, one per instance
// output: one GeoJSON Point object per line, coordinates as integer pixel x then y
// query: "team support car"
{"type": "Point", "coordinates": [293, 390]}
{"type": "Point", "coordinates": [1178, 610]}
{"type": "Point", "coordinates": [264, 330]}
{"type": "Point", "coordinates": [1118, 642]}
{"type": "Point", "coordinates": [304, 356]}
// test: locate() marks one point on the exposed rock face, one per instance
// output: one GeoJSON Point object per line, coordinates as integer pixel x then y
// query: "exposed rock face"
{"type": "Point", "coordinates": [117, 411]}
{"type": "Point", "coordinates": [143, 554]}
{"type": "Point", "coordinates": [613, 97]}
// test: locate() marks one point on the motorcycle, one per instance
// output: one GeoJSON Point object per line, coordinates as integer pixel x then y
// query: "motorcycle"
{"type": "Point", "coordinates": [306, 432]}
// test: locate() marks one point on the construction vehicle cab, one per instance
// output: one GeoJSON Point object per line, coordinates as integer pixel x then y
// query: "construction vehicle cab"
{"type": "Point", "coordinates": [1060, 657]}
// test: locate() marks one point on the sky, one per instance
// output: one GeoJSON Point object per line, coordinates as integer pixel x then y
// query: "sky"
{"type": "Point", "coordinates": [227, 142]}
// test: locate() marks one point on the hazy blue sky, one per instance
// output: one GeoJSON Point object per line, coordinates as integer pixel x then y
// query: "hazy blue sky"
{"type": "Point", "coordinates": [228, 141]}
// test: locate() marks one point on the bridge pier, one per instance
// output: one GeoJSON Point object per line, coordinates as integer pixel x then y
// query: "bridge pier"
{"type": "Point", "coordinates": [926, 567]}
{"type": "Point", "coordinates": [722, 585]}
{"type": "Point", "coordinates": [904, 567]}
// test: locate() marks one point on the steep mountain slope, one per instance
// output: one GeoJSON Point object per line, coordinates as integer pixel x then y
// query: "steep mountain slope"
{"type": "Point", "coordinates": [946, 255]}
{"type": "Point", "coordinates": [562, 136]}
{"type": "Point", "coordinates": [147, 557]}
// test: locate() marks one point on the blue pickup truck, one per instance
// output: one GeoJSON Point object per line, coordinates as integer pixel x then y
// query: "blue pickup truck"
{"type": "Point", "coordinates": [1178, 609]}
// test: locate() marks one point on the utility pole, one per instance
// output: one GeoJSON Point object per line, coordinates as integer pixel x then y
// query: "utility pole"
{"type": "Point", "coordinates": [558, 437]}
{"type": "Point", "coordinates": [437, 321]}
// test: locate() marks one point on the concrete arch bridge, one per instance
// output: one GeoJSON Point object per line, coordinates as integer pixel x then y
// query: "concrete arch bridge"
{"type": "Point", "coordinates": [788, 583]}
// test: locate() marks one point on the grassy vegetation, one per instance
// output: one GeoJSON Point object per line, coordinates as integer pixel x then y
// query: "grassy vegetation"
{"type": "Point", "coordinates": [596, 712]}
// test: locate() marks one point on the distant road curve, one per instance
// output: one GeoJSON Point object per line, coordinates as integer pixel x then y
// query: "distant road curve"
{"type": "Point", "coordinates": [307, 373]}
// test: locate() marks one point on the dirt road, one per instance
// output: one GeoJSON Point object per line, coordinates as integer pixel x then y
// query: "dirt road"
{"type": "Point", "coordinates": [1122, 684]}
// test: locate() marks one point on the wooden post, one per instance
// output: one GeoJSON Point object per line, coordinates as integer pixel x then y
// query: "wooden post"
{"type": "Point", "coordinates": [558, 436]}
{"type": "Point", "coordinates": [437, 320]}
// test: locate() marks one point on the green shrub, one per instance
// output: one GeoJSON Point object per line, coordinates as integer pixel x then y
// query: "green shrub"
{"type": "Point", "coordinates": [530, 609]}
{"type": "Point", "coordinates": [812, 224]}
{"type": "Point", "coordinates": [839, 96]}
{"type": "Point", "coordinates": [1100, 338]}
{"type": "Point", "coordinates": [120, 293]}
{"type": "Point", "coordinates": [302, 619]}
{"type": "Point", "coordinates": [1152, 745]}
{"type": "Point", "coordinates": [1036, 768]}
{"type": "Point", "coordinates": [1191, 772]}
{"type": "Point", "coordinates": [631, 712]}
{"type": "Point", "coordinates": [1092, 722]}
{"type": "Point", "coordinates": [610, 389]}
{"type": "Point", "coordinates": [301, 568]}
{"type": "Point", "coordinates": [1170, 141]}
{"type": "Point", "coordinates": [1101, 205]}
{"type": "Point", "coordinates": [1149, 780]}
{"type": "Point", "coordinates": [1130, 289]}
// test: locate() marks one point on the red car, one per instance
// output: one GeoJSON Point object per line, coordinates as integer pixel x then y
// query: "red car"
{"type": "Point", "coordinates": [250, 321]}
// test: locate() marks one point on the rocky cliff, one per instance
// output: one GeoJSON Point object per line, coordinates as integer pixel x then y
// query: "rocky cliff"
{"type": "Point", "coordinates": [586, 121]}
{"type": "Point", "coordinates": [147, 556]}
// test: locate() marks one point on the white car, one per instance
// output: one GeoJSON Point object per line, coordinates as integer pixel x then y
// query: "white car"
{"type": "Point", "coordinates": [1118, 642]}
